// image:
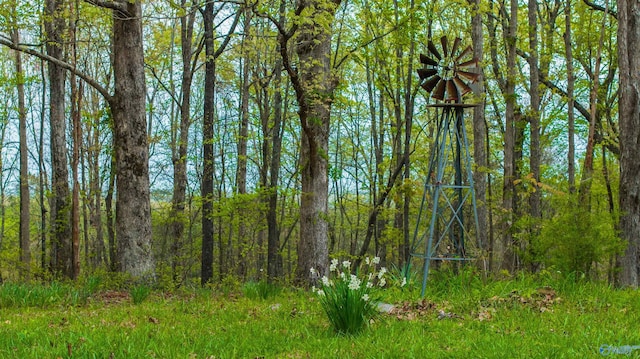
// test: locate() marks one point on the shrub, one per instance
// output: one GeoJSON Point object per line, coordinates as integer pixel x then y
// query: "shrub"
{"type": "Point", "coordinates": [575, 239]}
{"type": "Point", "coordinates": [348, 300]}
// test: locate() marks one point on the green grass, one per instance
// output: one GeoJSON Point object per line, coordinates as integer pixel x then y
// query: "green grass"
{"type": "Point", "coordinates": [497, 319]}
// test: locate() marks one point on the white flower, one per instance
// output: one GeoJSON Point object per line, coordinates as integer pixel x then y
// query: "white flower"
{"type": "Point", "coordinates": [367, 260]}
{"type": "Point", "coordinates": [369, 284]}
{"type": "Point", "coordinates": [404, 281]}
{"type": "Point", "coordinates": [376, 260]}
{"type": "Point", "coordinates": [343, 275]}
{"type": "Point", "coordinates": [383, 270]}
{"type": "Point", "coordinates": [382, 282]}
{"type": "Point", "coordinates": [313, 271]}
{"type": "Point", "coordinates": [346, 264]}
{"type": "Point", "coordinates": [320, 293]}
{"type": "Point", "coordinates": [365, 297]}
{"type": "Point", "coordinates": [354, 284]}
{"type": "Point", "coordinates": [334, 265]}
{"type": "Point", "coordinates": [325, 281]}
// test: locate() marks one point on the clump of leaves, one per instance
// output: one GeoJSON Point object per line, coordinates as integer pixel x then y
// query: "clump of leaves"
{"type": "Point", "coordinates": [139, 293]}
{"type": "Point", "coordinates": [349, 300]}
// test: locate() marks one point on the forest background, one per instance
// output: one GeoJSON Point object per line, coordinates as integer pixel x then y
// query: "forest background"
{"type": "Point", "coordinates": [203, 142]}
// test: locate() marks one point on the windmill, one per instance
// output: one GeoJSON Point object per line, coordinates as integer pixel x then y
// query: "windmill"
{"type": "Point", "coordinates": [448, 197]}
{"type": "Point", "coordinates": [446, 76]}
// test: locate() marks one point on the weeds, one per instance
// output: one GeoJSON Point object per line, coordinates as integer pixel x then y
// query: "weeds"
{"type": "Point", "coordinates": [139, 293]}
{"type": "Point", "coordinates": [260, 290]}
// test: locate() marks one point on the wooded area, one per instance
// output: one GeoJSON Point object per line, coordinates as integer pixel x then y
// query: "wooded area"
{"type": "Point", "coordinates": [208, 141]}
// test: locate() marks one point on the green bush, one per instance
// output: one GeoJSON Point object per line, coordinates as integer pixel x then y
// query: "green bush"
{"type": "Point", "coordinates": [575, 239]}
{"type": "Point", "coordinates": [347, 299]}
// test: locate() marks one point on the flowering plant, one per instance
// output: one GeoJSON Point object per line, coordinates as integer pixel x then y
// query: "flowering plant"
{"type": "Point", "coordinates": [347, 299]}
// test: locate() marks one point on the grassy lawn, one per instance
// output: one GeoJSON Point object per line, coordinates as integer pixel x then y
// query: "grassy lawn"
{"type": "Point", "coordinates": [461, 317]}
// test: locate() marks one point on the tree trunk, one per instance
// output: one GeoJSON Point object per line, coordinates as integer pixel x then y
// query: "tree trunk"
{"type": "Point", "coordinates": [571, 162]}
{"type": "Point", "coordinates": [76, 98]}
{"type": "Point", "coordinates": [534, 115]}
{"type": "Point", "coordinates": [241, 170]}
{"type": "Point", "coordinates": [61, 250]}
{"type": "Point", "coordinates": [133, 212]}
{"type": "Point", "coordinates": [508, 189]}
{"type": "Point", "coordinates": [95, 198]}
{"type": "Point", "coordinates": [274, 254]}
{"type": "Point", "coordinates": [25, 251]}
{"type": "Point", "coordinates": [179, 160]}
{"type": "Point", "coordinates": [108, 207]}
{"type": "Point", "coordinates": [629, 119]}
{"type": "Point", "coordinates": [206, 187]}
{"type": "Point", "coordinates": [409, 102]}
{"type": "Point", "coordinates": [41, 177]}
{"type": "Point", "coordinates": [314, 84]}
{"type": "Point", "coordinates": [479, 145]}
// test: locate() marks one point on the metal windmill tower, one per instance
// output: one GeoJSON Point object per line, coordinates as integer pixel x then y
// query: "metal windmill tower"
{"type": "Point", "coordinates": [448, 198]}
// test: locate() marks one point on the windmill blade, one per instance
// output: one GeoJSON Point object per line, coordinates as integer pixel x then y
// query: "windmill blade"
{"type": "Point", "coordinates": [427, 60]}
{"type": "Point", "coordinates": [426, 73]}
{"type": "Point", "coordinates": [471, 76]}
{"type": "Point", "coordinates": [469, 63]}
{"type": "Point", "coordinates": [433, 50]}
{"type": "Point", "coordinates": [430, 83]}
{"type": "Point", "coordinates": [467, 50]}
{"type": "Point", "coordinates": [438, 93]}
{"type": "Point", "coordinates": [452, 92]}
{"type": "Point", "coordinates": [445, 43]}
{"type": "Point", "coordinates": [462, 87]}
{"type": "Point", "coordinates": [456, 43]}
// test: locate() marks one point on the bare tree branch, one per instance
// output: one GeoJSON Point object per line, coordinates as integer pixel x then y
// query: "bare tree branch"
{"type": "Point", "coordinates": [117, 5]}
{"type": "Point", "coordinates": [65, 65]}
{"type": "Point", "coordinates": [595, 6]}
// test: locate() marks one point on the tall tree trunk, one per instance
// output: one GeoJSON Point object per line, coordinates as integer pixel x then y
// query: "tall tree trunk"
{"type": "Point", "coordinates": [25, 251]}
{"type": "Point", "coordinates": [314, 84]}
{"type": "Point", "coordinates": [534, 115]}
{"type": "Point", "coordinates": [95, 201]}
{"type": "Point", "coordinates": [274, 253]}
{"type": "Point", "coordinates": [208, 169]}
{"type": "Point", "coordinates": [479, 146]}
{"type": "Point", "coordinates": [76, 98]}
{"type": "Point", "coordinates": [508, 189]}
{"type": "Point", "coordinates": [3, 132]}
{"type": "Point", "coordinates": [133, 208]}
{"type": "Point", "coordinates": [629, 119]}
{"type": "Point", "coordinates": [571, 162]}
{"type": "Point", "coordinates": [241, 170]}
{"type": "Point", "coordinates": [41, 177]}
{"type": "Point", "coordinates": [179, 159]}
{"type": "Point", "coordinates": [61, 249]}
{"type": "Point", "coordinates": [206, 187]}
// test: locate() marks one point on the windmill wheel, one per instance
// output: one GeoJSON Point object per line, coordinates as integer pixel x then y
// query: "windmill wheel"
{"type": "Point", "coordinates": [446, 75]}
